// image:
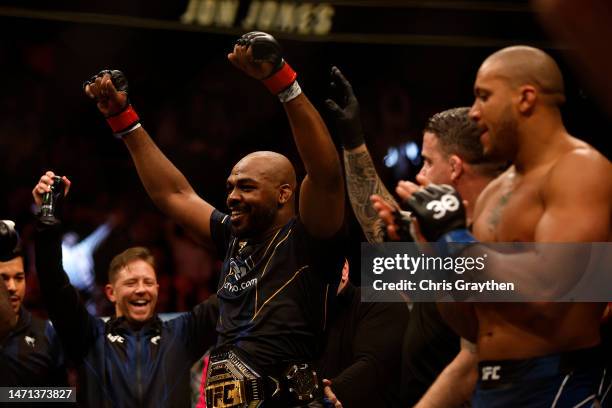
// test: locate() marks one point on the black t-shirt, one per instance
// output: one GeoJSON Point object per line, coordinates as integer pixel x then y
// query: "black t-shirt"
{"type": "Point", "coordinates": [272, 293]}
{"type": "Point", "coordinates": [429, 346]}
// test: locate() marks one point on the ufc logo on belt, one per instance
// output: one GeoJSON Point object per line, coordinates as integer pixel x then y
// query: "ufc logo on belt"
{"type": "Point", "coordinates": [490, 373]}
{"type": "Point", "coordinates": [225, 395]}
{"type": "Point", "coordinates": [447, 202]}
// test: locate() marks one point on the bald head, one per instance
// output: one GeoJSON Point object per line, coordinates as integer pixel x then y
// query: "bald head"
{"type": "Point", "coordinates": [270, 166]}
{"type": "Point", "coordinates": [524, 65]}
{"type": "Point", "coordinates": [261, 195]}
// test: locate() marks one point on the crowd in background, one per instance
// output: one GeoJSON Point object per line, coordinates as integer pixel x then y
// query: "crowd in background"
{"type": "Point", "coordinates": [204, 115]}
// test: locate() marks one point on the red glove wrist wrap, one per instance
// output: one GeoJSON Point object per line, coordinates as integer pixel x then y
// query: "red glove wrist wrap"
{"type": "Point", "coordinates": [123, 120]}
{"type": "Point", "coordinates": [281, 79]}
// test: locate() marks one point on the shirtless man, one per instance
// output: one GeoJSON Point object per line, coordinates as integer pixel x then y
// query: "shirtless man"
{"type": "Point", "coordinates": [559, 189]}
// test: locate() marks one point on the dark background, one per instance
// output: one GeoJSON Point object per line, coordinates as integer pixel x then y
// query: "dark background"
{"type": "Point", "coordinates": [406, 61]}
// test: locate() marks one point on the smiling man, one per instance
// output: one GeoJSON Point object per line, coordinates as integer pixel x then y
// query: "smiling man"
{"type": "Point", "coordinates": [277, 261]}
{"type": "Point", "coordinates": [30, 354]}
{"type": "Point", "coordinates": [134, 359]}
{"type": "Point", "coordinates": [133, 285]}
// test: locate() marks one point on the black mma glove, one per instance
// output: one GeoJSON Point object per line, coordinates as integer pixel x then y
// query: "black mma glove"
{"type": "Point", "coordinates": [265, 48]}
{"type": "Point", "coordinates": [345, 110]}
{"type": "Point", "coordinates": [282, 81]}
{"type": "Point", "coordinates": [117, 77]}
{"type": "Point", "coordinates": [439, 210]}
{"type": "Point", "coordinates": [119, 113]}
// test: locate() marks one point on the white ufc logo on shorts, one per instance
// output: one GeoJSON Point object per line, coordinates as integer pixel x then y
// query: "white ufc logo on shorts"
{"type": "Point", "coordinates": [490, 373]}
{"type": "Point", "coordinates": [447, 202]}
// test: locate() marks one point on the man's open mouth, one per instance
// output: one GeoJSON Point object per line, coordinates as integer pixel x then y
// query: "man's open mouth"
{"type": "Point", "coordinates": [140, 303]}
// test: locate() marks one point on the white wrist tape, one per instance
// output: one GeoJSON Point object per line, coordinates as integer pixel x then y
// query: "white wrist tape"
{"type": "Point", "coordinates": [119, 135]}
{"type": "Point", "coordinates": [290, 93]}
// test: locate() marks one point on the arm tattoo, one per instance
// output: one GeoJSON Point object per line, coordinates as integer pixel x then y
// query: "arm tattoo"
{"type": "Point", "coordinates": [362, 181]}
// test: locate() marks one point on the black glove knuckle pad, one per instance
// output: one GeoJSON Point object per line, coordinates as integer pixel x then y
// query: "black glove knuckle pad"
{"type": "Point", "coordinates": [264, 46]}
{"type": "Point", "coordinates": [117, 78]}
{"type": "Point", "coordinates": [439, 210]}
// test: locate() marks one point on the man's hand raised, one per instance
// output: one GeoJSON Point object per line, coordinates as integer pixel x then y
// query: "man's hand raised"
{"type": "Point", "coordinates": [110, 90]}
{"type": "Point", "coordinates": [257, 54]}
{"type": "Point", "coordinates": [44, 186]}
{"type": "Point", "coordinates": [345, 109]}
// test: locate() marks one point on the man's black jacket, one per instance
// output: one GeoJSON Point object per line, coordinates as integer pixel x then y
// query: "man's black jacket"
{"type": "Point", "coordinates": [120, 367]}
{"type": "Point", "coordinates": [31, 354]}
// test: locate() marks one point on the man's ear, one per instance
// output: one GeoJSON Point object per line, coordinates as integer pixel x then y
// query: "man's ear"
{"type": "Point", "coordinates": [456, 166]}
{"type": "Point", "coordinates": [110, 292]}
{"type": "Point", "coordinates": [527, 99]}
{"type": "Point", "coordinates": [285, 194]}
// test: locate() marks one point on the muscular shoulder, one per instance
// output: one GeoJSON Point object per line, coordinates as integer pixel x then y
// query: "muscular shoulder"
{"type": "Point", "coordinates": [576, 193]}
{"type": "Point", "coordinates": [580, 168]}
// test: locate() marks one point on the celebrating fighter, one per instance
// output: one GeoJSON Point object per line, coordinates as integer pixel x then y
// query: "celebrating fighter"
{"type": "Point", "coordinates": [272, 285]}
{"type": "Point", "coordinates": [559, 189]}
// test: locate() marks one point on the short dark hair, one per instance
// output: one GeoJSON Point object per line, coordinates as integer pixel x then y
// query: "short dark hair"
{"type": "Point", "coordinates": [457, 134]}
{"type": "Point", "coordinates": [128, 256]}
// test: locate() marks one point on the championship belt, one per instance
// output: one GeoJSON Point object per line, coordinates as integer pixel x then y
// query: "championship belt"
{"type": "Point", "coordinates": [232, 381]}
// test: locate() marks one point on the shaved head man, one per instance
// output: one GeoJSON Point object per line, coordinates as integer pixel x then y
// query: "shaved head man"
{"type": "Point", "coordinates": [521, 65]}
{"type": "Point", "coordinates": [277, 261]}
{"type": "Point", "coordinates": [266, 182]}
{"type": "Point", "coordinates": [505, 72]}
{"type": "Point", "coordinates": [557, 190]}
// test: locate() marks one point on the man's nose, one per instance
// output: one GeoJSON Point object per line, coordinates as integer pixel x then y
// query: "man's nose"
{"type": "Point", "coordinates": [233, 197]}
{"type": "Point", "coordinates": [10, 286]}
{"type": "Point", "coordinates": [474, 113]}
{"type": "Point", "coordinates": [140, 287]}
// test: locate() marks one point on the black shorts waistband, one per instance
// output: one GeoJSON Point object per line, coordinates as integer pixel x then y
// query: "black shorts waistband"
{"type": "Point", "coordinates": [500, 372]}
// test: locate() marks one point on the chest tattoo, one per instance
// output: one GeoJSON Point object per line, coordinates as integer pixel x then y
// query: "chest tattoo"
{"type": "Point", "coordinates": [496, 213]}
{"type": "Point", "coordinates": [495, 216]}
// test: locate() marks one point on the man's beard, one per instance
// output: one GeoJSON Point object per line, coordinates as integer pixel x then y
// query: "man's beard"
{"type": "Point", "coordinates": [502, 144]}
{"type": "Point", "coordinates": [259, 222]}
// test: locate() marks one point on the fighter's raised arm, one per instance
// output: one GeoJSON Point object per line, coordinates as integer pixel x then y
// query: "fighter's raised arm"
{"type": "Point", "coordinates": [362, 181]}
{"type": "Point", "coordinates": [322, 192]}
{"type": "Point", "coordinates": [165, 184]}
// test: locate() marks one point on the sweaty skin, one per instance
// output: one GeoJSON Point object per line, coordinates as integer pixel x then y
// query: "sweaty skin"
{"type": "Point", "coordinates": [559, 189]}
